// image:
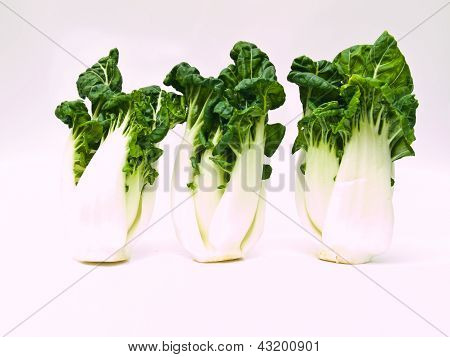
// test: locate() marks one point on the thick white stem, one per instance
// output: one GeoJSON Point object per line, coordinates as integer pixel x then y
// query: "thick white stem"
{"type": "Point", "coordinates": [300, 199]}
{"type": "Point", "coordinates": [182, 202]}
{"type": "Point", "coordinates": [207, 196]}
{"type": "Point", "coordinates": [237, 208]}
{"type": "Point", "coordinates": [133, 196]}
{"type": "Point", "coordinates": [257, 227]}
{"type": "Point", "coordinates": [100, 228]}
{"type": "Point", "coordinates": [145, 205]}
{"type": "Point", "coordinates": [359, 219]}
{"type": "Point", "coordinates": [144, 214]}
{"type": "Point", "coordinates": [321, 169]}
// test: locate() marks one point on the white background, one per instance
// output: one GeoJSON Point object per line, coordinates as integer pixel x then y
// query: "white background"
{"type": "Point", "coordinates": [281, 288]}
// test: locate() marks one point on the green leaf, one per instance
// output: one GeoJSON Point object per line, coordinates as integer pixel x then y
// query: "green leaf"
{"type": "Point", "coordinates": [222, 113]}
{"type": "Point", "coordinates": [105, 72]}
{"type": "Point", "coordinates": [354, 60]}
{"type": "Point", "coordinates": [324, 124]}
{"type": "Point", "coordinates": [319, 85]}
{"type": "Point", "coordinates": [87, 139]}
{"type": "Point", "coordinates": [251, 90]}
{"type": "Point", "coordinates": [390, 66]}
{"type": "Point", "coordinates": [373, 83]}
{"type": "Point", "coordinates": [251, 80]}
{"type": "Point", "coordinates": [175, 108]}
{"type": "Point", "coordinates": [274, 134]}
{"type": "Point", "coordinates": [100, 81]}
{"type": "Point", "coordinates": [318, 81]}
{"type": "Point", "coordinates": [73, 113]}
{"type": "Point", "coordinates": [87, 134]}
{"type": "Point", "coordinates": [201, 94]}
{"type": "Point", "coordinates": [146, 115]}
{"type": "Point", "coordinates": [267, 172]}
{"type": "Point", "coordinates": [268, 93]}
{"type": "Point", "coordinates": [151, 113]}
{"type": "Point", "coordinates": [223, 164]}
{"type": "Point", "coordinates": [407, 105]}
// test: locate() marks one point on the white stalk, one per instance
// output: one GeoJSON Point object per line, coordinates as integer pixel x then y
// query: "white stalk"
{"type": "Point", "coordinates": [321, 169]}
{"type": "Point", "coordinates": [300, 200]}
{"type": "Point", "coordinates": [144, 213]}
{"type": "Point", "coordinates": [359, 220]}
{"type": "Point", "coordinates": [100, 225]}
{"type": "Point", "coordinates": [182, 203]}
{"type": "Point", "coordinates": [143, 208]}
{"type": "Point", "coordinates": [207, 196]}
{"type": "Point", "coordinates": [237, 208]}
{"type": "Point", "coordinates": [257, 227]}
{"type": "Point", "coordinates": [133, 196]}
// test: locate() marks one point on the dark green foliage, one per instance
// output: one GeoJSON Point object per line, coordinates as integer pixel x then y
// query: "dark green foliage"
{"type": "Point", "coordinates": [251, 91]}
{"type": "Point", "coordinates": [145, 116]}
{"type": "Point", "coordinates": [364, 82]}
{"type": "Point", "coordinates": [223, 113]}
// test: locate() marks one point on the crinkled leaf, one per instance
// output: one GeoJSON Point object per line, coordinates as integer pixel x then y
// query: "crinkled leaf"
{"type": "Point", "coordinates": [318, 81]}
{"type": "Point", "coordinates": [104, 72]}
{"type": "Point", "coordinates": [201, 94]}
{"type": "Point", "coordinates": [101, 80]}
{"type": "Point", "coordinates": [73, 113]}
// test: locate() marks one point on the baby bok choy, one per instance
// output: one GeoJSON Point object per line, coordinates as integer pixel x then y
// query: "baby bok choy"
{"type": "Point", "coordinates": [111, 157]}
{"type": "Point", "coordinates": [358, 118]}
{"type": "Point", "coordinates": [218, 183]}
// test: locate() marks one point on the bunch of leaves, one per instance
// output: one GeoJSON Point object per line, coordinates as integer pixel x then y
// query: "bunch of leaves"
{"type": "Point", "coordinates": [363, 83]}
{"type": "Point", "coordinates": [223, 112]}
{"type": "Point", "coordinates": [146, 115]}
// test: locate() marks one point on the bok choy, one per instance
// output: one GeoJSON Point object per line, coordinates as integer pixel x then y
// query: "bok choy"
{"type": "Point", "coordinates": [358, 118]}
{"type": "Point", "coordinates": [111, 159]}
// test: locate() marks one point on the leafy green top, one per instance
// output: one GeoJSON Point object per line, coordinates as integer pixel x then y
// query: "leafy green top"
{"type": "Point", "coordinates": [364, 82]}
{"type": "Point", "coordinates": [224, 112]}
{"type": "Point", "coordinates": [145, 114]}
{"type": "Point", "coordinates": [251, 90]}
